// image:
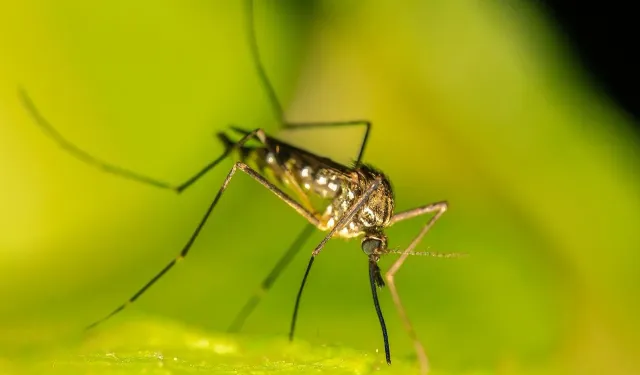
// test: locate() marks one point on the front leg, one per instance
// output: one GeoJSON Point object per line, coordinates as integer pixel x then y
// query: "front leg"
{"type": "Point", "coordinates": [439, 208]}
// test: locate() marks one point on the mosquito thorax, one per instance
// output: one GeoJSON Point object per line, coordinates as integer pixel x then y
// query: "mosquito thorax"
{"type": "Point", "coordinates": [378, 209]}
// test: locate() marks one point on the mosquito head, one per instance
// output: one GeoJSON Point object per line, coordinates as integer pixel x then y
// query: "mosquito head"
{"type": "Point", "coordinates": [374, 244]}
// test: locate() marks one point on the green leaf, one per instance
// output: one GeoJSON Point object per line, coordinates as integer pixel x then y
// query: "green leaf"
{"type": "Point", "coordinates": [166, 347]}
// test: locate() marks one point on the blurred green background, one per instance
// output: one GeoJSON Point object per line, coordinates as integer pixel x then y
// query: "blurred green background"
{"type": "Point", "coordinates": [478, 103]}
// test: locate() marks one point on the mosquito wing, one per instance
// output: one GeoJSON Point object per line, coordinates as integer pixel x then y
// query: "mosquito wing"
{"type": "Point", "coordinates": [315, 179]}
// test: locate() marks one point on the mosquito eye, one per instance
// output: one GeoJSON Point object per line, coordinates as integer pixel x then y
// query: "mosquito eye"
{"type": "Point", "coordinates": [370, 245]}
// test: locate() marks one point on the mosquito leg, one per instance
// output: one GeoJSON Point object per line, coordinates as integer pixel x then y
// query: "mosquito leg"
{"type": "Point", "coordinates": [419, 211]}
{"type": "Point", "coordinates": [257, 61]}
{"type": "Point", "coordinates": [294, 318]}
{"type": "Point", "coordinates": [185, 250]}
{"type": "Point", "coordinates": [276, 106]}
{"type": "Point", "coordinates": [439, 209]}
{"type": "Point", "coordinates": [87, 158]}
{"type": "Point", "coordinates": [266, 284]}
{"type": "Point", "coordinates": [341, 223]}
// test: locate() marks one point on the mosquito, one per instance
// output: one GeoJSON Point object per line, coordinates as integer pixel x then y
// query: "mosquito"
{"type": "Point", "coordinates": [355, 201]}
